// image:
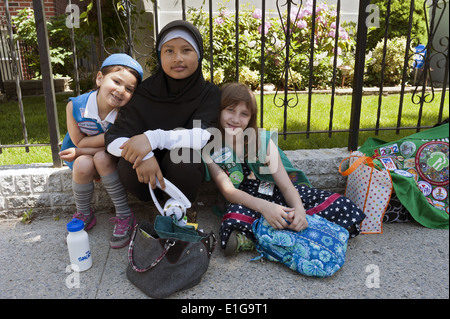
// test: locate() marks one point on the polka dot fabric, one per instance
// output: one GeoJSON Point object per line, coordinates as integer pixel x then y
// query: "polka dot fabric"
{"type": "Point", "coordinates": [370, 189]}
{"type": "Point", "coordinates": [332, 206]}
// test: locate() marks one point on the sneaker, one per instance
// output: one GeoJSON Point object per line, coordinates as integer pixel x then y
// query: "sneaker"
{"type": "Point", "coordinates": [123, 229]}
{"type": "Point", "coordinates": [89, 221]}
{"type": "Point", "coordinates": [238, 242]}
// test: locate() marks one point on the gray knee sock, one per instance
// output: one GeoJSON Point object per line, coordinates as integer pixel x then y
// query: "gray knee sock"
{"type": "Point", "coordinates": [83, 196]}
{"type": "Point", "coordinates": [117, 193]}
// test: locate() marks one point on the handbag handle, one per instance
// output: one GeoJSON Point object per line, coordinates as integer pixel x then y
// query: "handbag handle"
{"type": "Point", "coordinates": [355, 164]}
{"type": "Point", "coordinates": [169, 243]}
{"type": "Point", "coordinates": [211, 243]}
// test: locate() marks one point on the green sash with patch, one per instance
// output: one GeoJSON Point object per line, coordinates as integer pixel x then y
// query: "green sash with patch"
{"type": "Point", "coordinates": [419, 166]}
{"type": "Point", "coordinates": [228, 161]}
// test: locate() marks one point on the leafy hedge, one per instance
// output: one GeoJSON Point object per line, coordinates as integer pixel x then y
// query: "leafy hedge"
{"type": "Point", "coordinates": [275, 28]}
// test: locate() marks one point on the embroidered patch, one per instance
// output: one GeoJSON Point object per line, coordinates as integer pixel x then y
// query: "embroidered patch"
{"type": "Point", "coordinates": [414, 172]}
{"type": "Point", "coordinates": [409, 163]}
{"type": "Point", "coordinates": [388, 150]}
{"type": "Point", "coordinates": [439, 193]}
{"type": "Point", "coordinates": [407, 148]}
{"type": "Point", "coordinates": [388, 163]}
{"type": "Point", "coordinates": [266, 188]}
{"type": "Point", "coordinates": [236, 177]}
{"type": "Point", "coordinates": [403, 173]}
{"type": "Point", "coordinates": [425, 188]}
{"type": "Point", "coordinates": [222, 155]}
{"type": "Point", "coordinates": [89, 128]}
{"type": "Point", "coordinates": [432, 162]}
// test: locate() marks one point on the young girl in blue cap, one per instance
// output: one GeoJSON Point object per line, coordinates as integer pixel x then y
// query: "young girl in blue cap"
{"type": "Point", "coordinates": [89, 116]}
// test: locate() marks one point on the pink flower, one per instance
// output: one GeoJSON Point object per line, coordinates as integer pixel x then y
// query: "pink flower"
{"type": "Point", "coordinates": [257, 14]}
{"type": "Point", "coordinates": [339, 51]}
{"type": "Point", "coordinates": [294, 14]}
{"type": "Point", "coordinates": [267, 26]}
{"type": "Point", "coordinates": [302, 24]}
{"type": "Point", "coordinates": [224, 13]}
{"type": "Point", "coordinates": [321, 7]}
{"type": "Point", "coordinates": [343, 35]}
{"type": "Point", "coordinates": [320, 19]}
{"type": "Point", "coordinates": [219, 20]}
{"type": "Point", "coordinates": [307, 11]}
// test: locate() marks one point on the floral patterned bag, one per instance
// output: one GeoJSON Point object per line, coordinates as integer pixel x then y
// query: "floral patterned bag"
{"type": "Point", "coordinates": [318, 251]}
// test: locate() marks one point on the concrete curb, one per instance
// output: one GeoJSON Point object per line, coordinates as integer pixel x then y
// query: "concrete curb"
{"type": "Point", "coordinates": [47, 191]}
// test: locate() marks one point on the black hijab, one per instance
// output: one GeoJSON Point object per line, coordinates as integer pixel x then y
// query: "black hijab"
{"type": "Point", "coordinates": [165, 88]}
{"type": "Point", "coordinates": [161, 102]}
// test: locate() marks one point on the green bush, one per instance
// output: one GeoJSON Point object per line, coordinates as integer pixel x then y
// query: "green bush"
{"type": "Point", "coordinates": [250, 29]}
{"type": "Point", "coordinates": [113, 20]}
{"type": "Point", "coordinates": [224, 45]}
{"type": "Point", "coordinates": [396, 42]}
{"type": "Point", "coordinates": [59, 42]}
{"type": "Point", "coordinates": [393, 69]}
{"type": "Point", "coordinates": [399, 22]}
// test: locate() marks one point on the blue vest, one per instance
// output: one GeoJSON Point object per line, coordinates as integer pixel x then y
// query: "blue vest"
{"type": "Point", "coordinates": [87, 126]}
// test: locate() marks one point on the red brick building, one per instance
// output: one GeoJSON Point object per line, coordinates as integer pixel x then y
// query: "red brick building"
{"type": "Point", "coordinates": [14, 6]}
{"type": "Point", "coordinates": [52, 7]}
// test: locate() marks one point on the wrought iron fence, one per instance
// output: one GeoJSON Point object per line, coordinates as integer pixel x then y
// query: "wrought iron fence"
{"type": "Point", "coordinates": [435, 49]}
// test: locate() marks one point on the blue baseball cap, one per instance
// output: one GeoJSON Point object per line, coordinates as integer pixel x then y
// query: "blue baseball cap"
{"type": "Point", "coordinates": [125, 60]}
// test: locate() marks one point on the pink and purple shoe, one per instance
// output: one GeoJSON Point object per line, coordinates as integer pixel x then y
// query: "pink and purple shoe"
{"type": "Point", "coordinates": [89, 221]}
{"type": "Point", "coordinates": [123, 229]}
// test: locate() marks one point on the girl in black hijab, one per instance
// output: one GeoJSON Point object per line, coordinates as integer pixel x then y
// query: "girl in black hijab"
{"type": "Point", "coordinates": [176, 96]}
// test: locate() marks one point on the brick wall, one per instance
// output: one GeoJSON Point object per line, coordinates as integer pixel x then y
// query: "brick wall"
{"type": "Point", "coordinates": [47, 191]}
{"type": "Point", "coordinates": [15, 6]}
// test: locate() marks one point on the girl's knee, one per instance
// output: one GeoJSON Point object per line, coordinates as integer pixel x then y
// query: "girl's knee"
{"type": "Point", "coordinates": [104, 163]}
{"type": "Point", "coordinates": [101, 157]}
{"type": "Point", "coordinates": [83, 167]}
{"type": "Point", "coordinates": [83, 162]}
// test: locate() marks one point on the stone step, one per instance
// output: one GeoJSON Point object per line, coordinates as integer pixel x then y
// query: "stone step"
{"type": "Point", "coordinates": [47, 191]}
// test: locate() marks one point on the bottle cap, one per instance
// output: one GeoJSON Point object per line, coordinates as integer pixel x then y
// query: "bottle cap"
{"type": "Point", "coordinates": [75, 225]}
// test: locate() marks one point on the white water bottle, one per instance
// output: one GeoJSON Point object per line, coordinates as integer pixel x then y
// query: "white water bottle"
{"type": "Point", "coordinates": [78, 246]}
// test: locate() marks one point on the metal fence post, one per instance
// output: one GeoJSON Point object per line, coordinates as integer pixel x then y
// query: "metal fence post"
{"type": "Point", "coordinates": [358, 79]}
{"type": "Point", "coordinates": [74, 53]}
{"type": "Point", "coordinates": [47, 80]}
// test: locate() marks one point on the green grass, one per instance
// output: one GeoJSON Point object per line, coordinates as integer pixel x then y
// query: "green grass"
{"type": "Point", "coordinates": [36, 120]}
{"type": "Point", "coordinates": [320, 112]}
{"type": "Point", "coordinates": [37, 129]}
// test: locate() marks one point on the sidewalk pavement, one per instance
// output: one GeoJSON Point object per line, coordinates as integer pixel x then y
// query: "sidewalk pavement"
{"type": "Point", "coordinates": [406, 261]}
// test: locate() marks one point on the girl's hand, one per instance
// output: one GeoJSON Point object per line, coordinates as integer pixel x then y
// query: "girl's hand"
{"type": "Point", "coordinates": [69, 154]}
{"type": "Point", "coordinates": [149, 171]}
{"type": "Point", "coordinates": [276, 215]}
{"type": "Point", "coordinates": [135, 149]}
{"type": "Point", "coordinates": [297, 219]}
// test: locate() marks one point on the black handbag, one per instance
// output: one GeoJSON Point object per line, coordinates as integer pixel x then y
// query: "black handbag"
{"type": "Point", "coordinates": [165, 258]}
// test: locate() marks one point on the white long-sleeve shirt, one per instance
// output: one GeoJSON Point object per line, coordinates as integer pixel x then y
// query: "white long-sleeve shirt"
{"type": "Point", "coordinates": [195, 138]}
